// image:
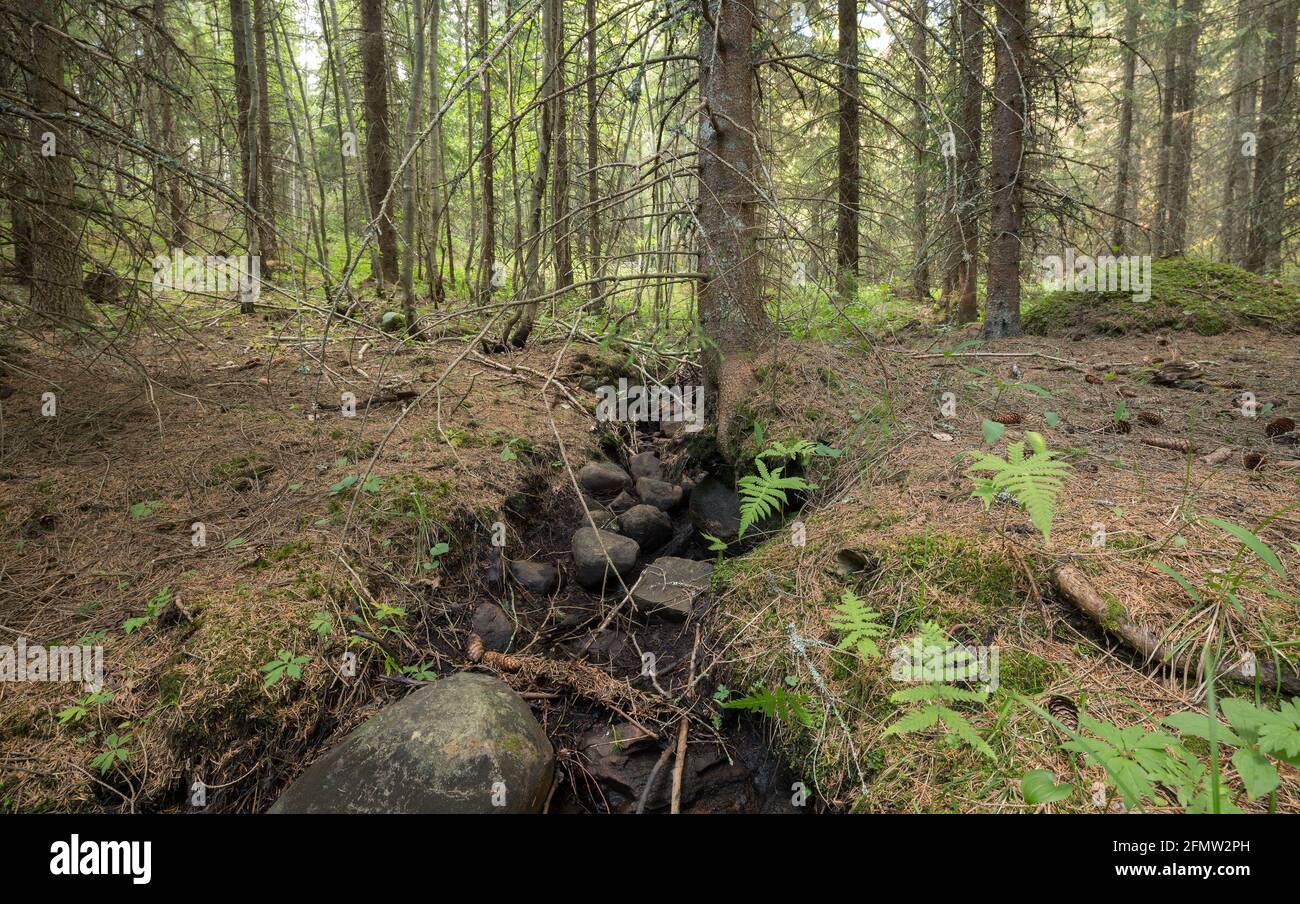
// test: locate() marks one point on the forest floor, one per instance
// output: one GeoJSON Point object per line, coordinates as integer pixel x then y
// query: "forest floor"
{"type": "Point", "coordinates": [326, 534]}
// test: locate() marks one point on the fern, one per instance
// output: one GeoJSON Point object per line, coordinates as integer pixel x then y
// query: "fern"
{"type": "Point", "coordinates": [935, 712]}
{"type": "Point", "coordinates": [858, 625]}
{"type": "Point", "coordinates": [1033, 481]}
{"type": "Point", "coordinates": [764, 494]}
{"type": "Point", "coordinates": [778, 704]}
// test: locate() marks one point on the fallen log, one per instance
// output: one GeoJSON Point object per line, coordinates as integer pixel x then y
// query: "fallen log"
{"type": "Point", "coordinates": [1113, 618]}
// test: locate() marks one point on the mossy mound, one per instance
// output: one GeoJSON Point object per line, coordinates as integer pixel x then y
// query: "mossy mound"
{"type": "Point", "coordinates": [1186, 294]}
{"type": "Point", "coordinates": [783, 596]}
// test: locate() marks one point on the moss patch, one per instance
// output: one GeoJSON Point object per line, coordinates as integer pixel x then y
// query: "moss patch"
{"type": "Point", "coordinates": [1186, 294]}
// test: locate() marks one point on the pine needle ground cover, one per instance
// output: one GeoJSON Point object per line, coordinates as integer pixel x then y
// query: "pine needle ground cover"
{"type": "Point", "coordinates": [894, 523]}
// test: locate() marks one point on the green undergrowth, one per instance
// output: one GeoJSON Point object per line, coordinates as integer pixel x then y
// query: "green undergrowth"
{"type": "Point", "coordinates": [1186, 294]}
{"type": "Point", "coordinates": [781, 598]}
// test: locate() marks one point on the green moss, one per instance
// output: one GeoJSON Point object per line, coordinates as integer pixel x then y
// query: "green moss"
{"type": "Point", "coordinates": [1025, 673]}
{"type": "Point", "coordinates": [1186, 294]}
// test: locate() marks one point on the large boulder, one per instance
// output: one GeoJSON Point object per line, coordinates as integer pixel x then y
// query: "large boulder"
{"type": "Point", "coordinates": [465, 744]}
{"type": "Point", "coordinates": [603, 479]}
{"type": "Point", "coordinates": [715, 509]}
{"type": "Point", "coordinates": [647, 525]}
{"type": "Point", "coordinates": [597, 554]}
{"type": "Point", "coordinates": [670, 585]}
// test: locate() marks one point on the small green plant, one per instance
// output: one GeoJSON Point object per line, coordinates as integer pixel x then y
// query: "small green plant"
{"type": "Point", "coordinates": [1120, 417]}
{"type": "Point", "coordinates": [115, 752]}
{"type": "Point", "coordinates": [764, 494]}
{"type": "Point", "coordinates": [1256, 732]}
{"type": "Point", "coordinates": [322, 624]}
{"type": "Point", "coordinates": [777, 703]}
{"type": "Point", "coordinates": [284, 664]}
{"type": "Point", "coordinates": [932, 655]}
{"type": "Point", "coordinates": [77, 711]}
{"type": "Point", "coordinates": [1032, 481]}
{"type": "Point", "coordinates": [858, 626]}
{"type": "Point", "coordinates": [1038, 786]}
{"type": "Point", "coordinates": [152, 610]}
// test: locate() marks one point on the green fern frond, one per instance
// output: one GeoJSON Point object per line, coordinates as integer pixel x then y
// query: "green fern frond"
{"type": "Point", "coordinates": [858, 624]}
{"type": "Point", "coordinates": [1033, 481]}
{"type": "Point", "coordinates": [764, 494]}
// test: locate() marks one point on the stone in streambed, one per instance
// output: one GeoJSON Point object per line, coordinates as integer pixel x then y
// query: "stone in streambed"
{"type": "Point", "coordinates": [603, 479]}
{"type": "Point", "coordinates": [622, 502]}
{"type": "Point", "coordinates": [646, 464]}
{"type": "Point", "coordinates": [659, 493]}
{"type": "Point", "coordinates": [593, 565]}
{"type": "Point", "coordinates": [464, 744]}
{"type": "Point", "coordinates": [715, 509]}
{"type": "Point", "coordinates": [493, 626]}
{"type": "Point", "coordinates": [670, 585]}
{"type": "Point", "coordinates": [647, 525]}
{"type": "Point", "coordinates": [538, 578]}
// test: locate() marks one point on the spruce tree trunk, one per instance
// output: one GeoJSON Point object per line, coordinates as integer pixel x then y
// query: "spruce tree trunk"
{"type": "Point", "coordinates": [1006, 171]}
{"type": "Point", "coordinates": [731, 312]}
{"type": "Point", "coordinates": [1124, 153]}
{"type": "Point", "coordinates": [1236, 184]}
{"type": "Point", "coordinates": [56, 224]}
{"type": "Point", "coordinates": [920, 176]}
{"type": "Point", "coordinates": [968, 142]}
{"type": "Point", "coordinates": [847, 161]}
{"type": "Point", "coordinates": [269, 241]}
{"type": "Point", "coordinates": [379, 160]}
{"type": "Point", "coordinates": [1180, 166]}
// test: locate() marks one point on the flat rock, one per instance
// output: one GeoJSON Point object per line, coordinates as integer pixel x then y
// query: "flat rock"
{"type": "Point", "coordinates": [493, 626]}
{"type": "Point", "coordinates": [603, 479]}
{"type": "Point", "coordinates": [648, 526]}
{"type": "Point", "coordinates": [646, 464]}
{"type": "Point", "coordinates": [465, 744]}
{"type": "Point", "coordinates": [715, 509]}
{"type": "Point", "coordinates": [669, 586]}
{"type": "Point", "coordinates": [538, 578]}
{"type": "Point", "coordinates": [659, 493]}
{"type": "Point", "coordinates": [593, 565]}
{"type": "Point", "coordinates": [621, 757]}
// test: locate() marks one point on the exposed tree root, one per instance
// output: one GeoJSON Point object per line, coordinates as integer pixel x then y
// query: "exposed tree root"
{"type": "Point", "coordinates": [1112, 617]}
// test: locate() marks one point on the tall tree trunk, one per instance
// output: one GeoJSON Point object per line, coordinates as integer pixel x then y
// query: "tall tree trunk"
{"type": "Point", "coordinates": [920, 176]}
{"type": "Point", "coordinates": [1267, 206]}
{"type": "Point", "coordinates": [1180, 166]}
{"type": "Point", "coordinates": [18, 164]}
{"type": "Point", "coordinates": [1006, 171]}
{"type": "Point", "coordinates": [847, 161]}
{"type": "Point", "coordinates": [1168, 89]}
{"type": "Point", "coordinates": [410, 210]}
{"type": "Point", "coordinates": [732, 317]}
{"type": "Point", "coordinates": [593, 181]}
{"type": "Point", "coordinates": [167, 184]}
{"type": "Point", "coordinates": [520, 323]}
{"type": "Point", "coordinates": [436, 199]}
{"type": "Point", "coordinates": [269, 241]}
{"type": "Point", "coordinates": [1124, 153]}
{"type": "Point", "coordinates": [1236, 183]}
{"type": "Point", "coordinates": [487, 256]}
{"type": "Point", "coordinates": [968, 142]}
{"type": "Point", "coordinates": [379, 161]}
{"type": "Point", "coordinates": [560, 188]}
{"type": "Point", "coordinates": [56, 224]}
{"type": "Point", "coordinates": [246, 125]}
